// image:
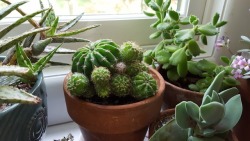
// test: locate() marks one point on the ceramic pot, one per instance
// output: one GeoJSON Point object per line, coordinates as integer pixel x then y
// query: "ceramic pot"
{"type": "Point", "coordinates": [25, 122]}
{"type": "Point", "coordinates": [241, 129]}
{"type": "Point", "coordinates": [167, 115]}
{"type": "Point", "coordinates": [127, 122]}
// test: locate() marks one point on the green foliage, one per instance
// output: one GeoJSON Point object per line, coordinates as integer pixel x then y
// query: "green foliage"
{"type": "Point", "coordinates": [179, 45]}
{"type": "Point", "coordinates": [209, 120]}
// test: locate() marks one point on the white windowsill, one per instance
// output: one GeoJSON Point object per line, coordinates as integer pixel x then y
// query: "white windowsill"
{"type": "Point", "coordinates": [57, 132]}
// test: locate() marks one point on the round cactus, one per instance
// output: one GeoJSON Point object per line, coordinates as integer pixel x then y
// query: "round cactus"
{"type": "Point", "coordinates": [78, 85]}
{"type": "Point", "coordinates": [100, 53]}
{"type": "Point", "coordinates": [144, 86]}
{"type": "Point", "coordinates": [135, 67]}
{"type": "Point", "coordinates": [120, 67]}
{"type": "Point", "coordinates": [131, 52]}
{"type": "Point", "coordinates": [121, 85]}
{"type": "Point", "coordinates": [100, 78]}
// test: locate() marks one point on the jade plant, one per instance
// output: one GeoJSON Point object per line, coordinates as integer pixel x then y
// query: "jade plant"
{"type": "Point", "coordinates": [24, 59]}
{"type": "Point", "coordinates": [175, 53]}
{"type": "Point", "coordinates": [103, 71]}
{"type": "Point", "coordinates": [211, 121]}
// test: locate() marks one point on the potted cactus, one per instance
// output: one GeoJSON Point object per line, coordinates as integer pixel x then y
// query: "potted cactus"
{"type": "Point", "coordinates": [211, 121]}
{"type": "Point", "coordinates": [110, 93]}
{"type": "Point", "coordinates": [21, 72]}
{"type": "Point", "coordinates": [186, 79]}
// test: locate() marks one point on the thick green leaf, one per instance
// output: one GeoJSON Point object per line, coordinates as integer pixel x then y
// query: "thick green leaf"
{"type": "Point", "coordinates": [11, 94]}
{"type": "Point", "coordinates": [193, 20]}
{"type": "Point", "coordinates": [193, 69]}
{"type": "Point", "coordinates": [184, 35]}
{"type": "Point", "coordinates": [153, 5]}
{"type": "Point", "coordinates": [194, 48]}
{"type": "Point", "coordinates": [225, 60]}
{"type": "Point", "coordinates": [6, 10]}
{"type": "Point", "coordinates": [162, 56]}
{"type": "Point", "coordinates": [228, 93]}
{"type": "Point", "coordinates": [159, 2]}
{"type": "Point", "coordinates": [208, 29]}
{"type": "Point", "coordinates": [220, 24]}
{"type": "Point", "coordinates": [216, 18]}
{"type": "Point", "coordinates": [147, 2]}
{"type": "Point", "coordinates": [149, 14]}
{"type": "Point", "coordinates": [206, 65]}
{"type": "Point", "coordinates": [155, 24]}
{"type": "Point", "coordinates": [38, 47]}
{"type": "Point", "coordinates": [178, 57]}
{"type": "Point", "coordinates": [184, 21]}
{"type": "Point", "coordinates": [5, 30]}
{"type": "Point", "coordinates": [193, 110]}
{"type": "Point", "coordinates": [232, 115]}
{"type": "Point", "coordinates": [173, 15]}
{"type": "Point", "coordinates": [69, 24]}
{"type": "Point", "coordinates": [172, 74]}
{"type": "Point", "coordinates": [182, 69]}
{"type": "Point", "coordinates": [182, 117]}
{"type": "Point", "coordinates": [155, 35]}
{"type": "Point", "coordinates": [11, 41]}
{"type": "Point", "coordinates": [208, 111]}
{"type": "Point", "coordinates": [22, 58]}
{"type": "Point", "coordinates": [204, 39]}
{"type": "Point", "coordinates": [164, 26]}
{"type": "Point", "coordinates": [166, 5]}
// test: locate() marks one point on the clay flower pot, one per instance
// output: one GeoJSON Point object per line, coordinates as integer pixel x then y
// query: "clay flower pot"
{"type": "Point", "coordinates": [241, 129]}
{"type": "Point", "coordinates": [115, 123]}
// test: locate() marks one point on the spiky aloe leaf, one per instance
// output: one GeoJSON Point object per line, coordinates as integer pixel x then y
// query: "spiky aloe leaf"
{"type": "Point", "coordinates": [69, 24]}
{"type": "Point", "coordinates": [5, 11]}
{"type": "Point", "coordinates": [44, 16]}
{"type": "Point", "coordinates": [9, 94]}
{"type": "Point", "coordinates": [70, 33]}
{"type": "Point", "coordinates": [39, 65]}
{"type": "Point", "coordinates": [9, 42]}
{"type": "Point", "coordinates": [53, 26]}
{"type": "Point", "coordinates": [22, 58]}
{"type": "Point", "coordinates": [18, 22]}
{"type": "Point", "coordinates": [38, 47]}
{"type": "Point", "coordinates": [68, 40]}
{"type": "Point", "coordinates": [23, 72]}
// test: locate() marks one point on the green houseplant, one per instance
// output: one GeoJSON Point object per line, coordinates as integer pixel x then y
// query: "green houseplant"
{"type": "Point", "coordinates": [174, 54]}
{"type": "Point", "coordinates": [110, 93]}
{"type": "Point", "coordinates": [21, 72]}
{"type": "Point", "coordinates": [211, 121]}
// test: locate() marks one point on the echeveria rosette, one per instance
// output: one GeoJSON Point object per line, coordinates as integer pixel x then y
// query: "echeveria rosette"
{"type": "Point", "coordinates": [178, 46]}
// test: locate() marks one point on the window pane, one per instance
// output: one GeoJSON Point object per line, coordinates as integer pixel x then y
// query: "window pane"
{"type": "Point", "coordinates": [93, 7]}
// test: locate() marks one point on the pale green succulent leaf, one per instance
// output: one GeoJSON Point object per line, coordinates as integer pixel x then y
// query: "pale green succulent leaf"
{"type": "Point", "coordinates": [149, 14]}
{"type": "Point", "coordinates": [170, 132]}
{"type": "Point", "coordinates": [208, 29]}
{"type": "Point", "coordinates": [213, 138]}
{"type": "Point", "coordinates": [184, 35]}
{"type": "Point", "coordinates": [182, 117]}
{"type": "Point", "coordinates": [193, 110]}
{"type": "Point", "coordinates": [208, 111]}
{"type": "Point", "coordinates": [233, 111]}
{"type": "Point", "coordinates": [206, 65]}
{"type": "Point", "coordinates": [179, 56]}
{"type": "Point", "coordinates": [162, 56]}
{"type": "Point", "coordinates": [245, 39]}
{"type": "Point", "coordinates": [216, 18]}
{"type": "Point", "coordinates": [9, 94]}
{"type": "Point", "coordinates": [215, 97]}
{"type": "Point", "coordinates": [228, 93]}
{"type": "Point", "coordinates": [155, 35]}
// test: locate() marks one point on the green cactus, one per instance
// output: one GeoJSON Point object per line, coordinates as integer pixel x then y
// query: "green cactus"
{"type": "Point", "coordinates": [131, 52]}
{"type": "Point", "coordinates": [135, 67]}
{"type": "Point", "coordinates": [213, 118]}
{"type": "Point", "coordinates": [78, 85]}
{"type": "Point", "coordinates": [100, 53]}
{"type": "Point", "coordinates": [121, 85]}
{"type": "Point", "coordinates": [144, 86]}
{"type": "Point", "coordinates": [120, 67]}
{"type": "Point", "coordinates": [100, 77]}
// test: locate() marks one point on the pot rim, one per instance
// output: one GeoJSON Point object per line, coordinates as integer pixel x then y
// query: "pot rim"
{"type": "Point", "coordinates": [157, 76]}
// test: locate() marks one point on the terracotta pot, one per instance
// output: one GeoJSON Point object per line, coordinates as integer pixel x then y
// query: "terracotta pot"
{"type": "Point", "coordinates": [241, 129]}
{"type": "Point", "coordinates": [174, 95]}
{"type": "Point", "coordinates": [167, 115]}
{"type": "Point", "coordinates": [115, 123]}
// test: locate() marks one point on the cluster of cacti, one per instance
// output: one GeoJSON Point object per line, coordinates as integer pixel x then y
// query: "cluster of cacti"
{"type": "Point", "coordinates": [20, 60]}
{"type": "Point", "coordinates": [218, 114]}
{"type": "Point", "coordinates": [113, 71]}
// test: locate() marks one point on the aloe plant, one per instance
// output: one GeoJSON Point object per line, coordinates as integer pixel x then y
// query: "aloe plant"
{"type": "Point", "coordinates": [23, 48]}
{"type": "Point", "coordinates": [211, 121]}
{"type": "Point", "coordinates": [179, 45]}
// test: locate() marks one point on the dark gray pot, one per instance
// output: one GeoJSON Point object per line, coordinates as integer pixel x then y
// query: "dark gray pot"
{"type": "Point", "coordinates": [25, 122]}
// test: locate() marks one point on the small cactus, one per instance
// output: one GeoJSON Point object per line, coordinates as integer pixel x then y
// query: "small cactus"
{"type": "Point", "coordinates": [121, 85]}
{"type": "Point", "coordinates": [131, 52]}
{"type": "Point", "coordinates": [100, 53]}
{"type": "Point", "coordinates": [78, 85]}
{"type": "Point", "coordinates": [135, 67]}
{"type": "Point", "coordinates": [144, 86]}
{"type": "Point", "coordinates": [100, 78]}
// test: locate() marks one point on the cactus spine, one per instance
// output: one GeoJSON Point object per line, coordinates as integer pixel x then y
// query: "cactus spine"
{"type": "Point", "coordinates": [121, 85]}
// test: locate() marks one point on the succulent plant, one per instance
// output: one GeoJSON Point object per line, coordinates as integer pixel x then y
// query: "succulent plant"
{"type": "Point", "coordinates": [23, 58]}
{"type": "Point", "coordinates": [174, 53]}
{"type": "Point", "coordinates": [121, 85]}
{"type": "Point", "coordinates": [212, 120]}
{"type": "Point", "coordinates": [111, 76]}
{"type": "Point", "coordinates": [103, 52]}
{"type": "Point", "coordinates": [144, 85]}
{"type": "Point", "coordinates": [131, 52]}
